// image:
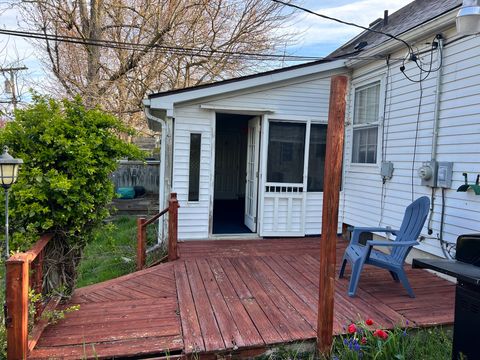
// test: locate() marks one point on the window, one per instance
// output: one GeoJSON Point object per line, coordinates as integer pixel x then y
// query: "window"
{"type": "Point", "coordinates": [365, 123]}
{"type": "Point", "coordinates": [316, 157]}
{"type": "Point", "coordinates": [194, 167]}
{"type": "Point", "coordinates": [286, 147]}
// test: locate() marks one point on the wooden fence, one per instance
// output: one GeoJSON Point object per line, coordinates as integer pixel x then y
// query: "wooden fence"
{"type": "Point", "coordinates": [142, 224]}
{"type": "Point", "coordinates": [138, 173]}
{"type": "Point", "coordinates": [24, 271]}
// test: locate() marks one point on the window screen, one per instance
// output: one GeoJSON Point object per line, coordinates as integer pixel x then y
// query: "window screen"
{"type": "Point", "coordinates": [194, 167]}
{"type": "Point", "coordinates": [316, 157]}
{"type": "Point", "coordinates": [286, 147]}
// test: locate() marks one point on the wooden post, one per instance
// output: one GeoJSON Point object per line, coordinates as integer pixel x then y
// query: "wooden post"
{"type": "Point", "coordinates": [331, 194]}
{"type": "Point", "coordinates": [17, 306]}
{"type": "Point", "coordinates": [141, 243]}
{"type": "Point", "coordinates": [172, 227]}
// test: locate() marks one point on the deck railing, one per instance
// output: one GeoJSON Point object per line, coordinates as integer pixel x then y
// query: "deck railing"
{"type": "Point", "coordinates": [24, 272]}
{"type": "Point", "coordinates": [142, 224]}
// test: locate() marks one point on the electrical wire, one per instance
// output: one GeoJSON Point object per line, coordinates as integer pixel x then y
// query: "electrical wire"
{"type": "Point", "coordinates": [176, 49]}
{"type": "Point", "coordinates": [411, 53]}
{"type": "Point", "coordinates": [384, 140]}
{"type": "Point", "coordinates": [416, 134]}
{"type": "Point", "coordinates": [142, 47]}
{"type": "Point", "coordinates": [416, 60]}
{"type": "Point", "coordinates": [344, 22]}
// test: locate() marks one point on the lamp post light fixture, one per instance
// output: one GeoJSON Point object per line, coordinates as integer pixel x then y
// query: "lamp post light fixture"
{"type": "Point", "coordinates": [8, 176]}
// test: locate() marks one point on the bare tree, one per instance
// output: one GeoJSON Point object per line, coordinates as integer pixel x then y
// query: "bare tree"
{"type": "Point", "coordinates": [150, 45]}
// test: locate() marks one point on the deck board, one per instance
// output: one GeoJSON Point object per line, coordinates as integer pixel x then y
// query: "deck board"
{"type": "Point", "coordinates": [229, 296]}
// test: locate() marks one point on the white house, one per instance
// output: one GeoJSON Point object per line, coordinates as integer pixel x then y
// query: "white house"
{"type": "Point", "coordinates": [246, 155]}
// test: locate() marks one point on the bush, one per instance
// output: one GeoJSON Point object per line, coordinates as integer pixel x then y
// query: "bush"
{"type": "Point", "coordinates": [63, 187]}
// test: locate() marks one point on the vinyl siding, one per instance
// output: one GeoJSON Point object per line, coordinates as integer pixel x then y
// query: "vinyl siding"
{"type": "Point", "coordinates": [306, 98]}
{"type": "Point", "coordinates": [458, 142]}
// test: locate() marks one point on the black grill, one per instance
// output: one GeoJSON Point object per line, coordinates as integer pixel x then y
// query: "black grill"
{"type": "Point", "coordinates": [466, 268]}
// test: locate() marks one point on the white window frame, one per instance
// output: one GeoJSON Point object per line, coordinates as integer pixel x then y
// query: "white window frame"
{"type": "Point", "coordinates": [379, 123]}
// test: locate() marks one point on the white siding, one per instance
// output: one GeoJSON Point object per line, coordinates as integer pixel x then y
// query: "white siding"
{"type": "Point", "coordinates": [306, 98]}
{"type": "Point", "coordinates": [459, 142]}
{"type": "Point", "coordinates": [193, 220]}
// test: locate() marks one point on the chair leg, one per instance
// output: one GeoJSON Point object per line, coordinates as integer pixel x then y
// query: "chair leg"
{"type": "Point", "coordinates": [403, 278]}
{"type": "Point", "coordinates": [394, 276]}
{"type": "Point", "coordinates": [355, 277]}
{"type": "Point", "coordinates": [342, 269]}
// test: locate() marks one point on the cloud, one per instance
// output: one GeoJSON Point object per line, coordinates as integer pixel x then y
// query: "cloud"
{"type": "Point", "coordinates": [318, 33]}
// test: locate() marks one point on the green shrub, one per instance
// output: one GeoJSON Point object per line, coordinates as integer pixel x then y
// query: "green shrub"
{"type": "Point", "coordinates": [63, 187]}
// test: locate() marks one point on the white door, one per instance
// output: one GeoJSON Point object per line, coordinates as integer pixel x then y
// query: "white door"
{"type": "Point", "coordinates": [285, 188]}
{"type": "Point", "coordinates": [251, 186]}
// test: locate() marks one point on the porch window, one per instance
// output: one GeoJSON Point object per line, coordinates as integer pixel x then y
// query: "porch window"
{"type": "Point", "coordinates": [316, 157]}
{"type": "Point", "coordinates": [194, 167]}
{"type": "Point", "coordinates": [286, 147]}
{"type": "Point", "coordinates": [365, 123]}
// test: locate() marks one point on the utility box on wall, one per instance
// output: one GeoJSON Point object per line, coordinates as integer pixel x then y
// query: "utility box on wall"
{"type": "Point", "coordinates": [428, 173]}
{"type": "Point", "coordinates": [444, 175]}
{"type": "Point", "coordinates": [436, 174]}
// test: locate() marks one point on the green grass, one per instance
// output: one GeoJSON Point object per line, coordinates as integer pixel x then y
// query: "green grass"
{"type": "Point", "coordinates": [112, 253]}
{"type": "Point", "coordinates": [425, 344]}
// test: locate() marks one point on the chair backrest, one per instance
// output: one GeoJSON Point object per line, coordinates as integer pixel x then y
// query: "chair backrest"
{"type": "Point", "coordinates": [415, 215]}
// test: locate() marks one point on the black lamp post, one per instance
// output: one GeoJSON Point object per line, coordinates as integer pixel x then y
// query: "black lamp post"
{"type": "Point", "coordinates": [8, 176]}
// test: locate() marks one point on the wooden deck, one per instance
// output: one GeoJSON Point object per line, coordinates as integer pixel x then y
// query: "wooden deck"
{"type": "Point", "coordinates": [232, 296]}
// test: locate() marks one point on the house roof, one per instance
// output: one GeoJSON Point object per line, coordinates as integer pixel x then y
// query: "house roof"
{"type": "Point", "coordinates": [410, 16]}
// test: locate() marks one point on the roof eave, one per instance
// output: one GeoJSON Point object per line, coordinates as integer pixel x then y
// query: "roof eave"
{"type": "Point", "coordinates": [168, 101]}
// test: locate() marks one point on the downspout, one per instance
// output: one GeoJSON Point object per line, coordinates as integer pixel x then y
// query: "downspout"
{"type": "Point", "coordinates": [436, 118]}
{"type": "Point", "coordinates": [163, 155]}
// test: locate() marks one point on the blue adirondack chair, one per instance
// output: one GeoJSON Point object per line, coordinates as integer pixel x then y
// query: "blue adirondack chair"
{"type": "Point", "coordinates": [405, 238]}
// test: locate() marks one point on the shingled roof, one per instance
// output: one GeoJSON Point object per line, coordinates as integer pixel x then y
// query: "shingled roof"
{"type": "Point", "coordinates": [410, 16]}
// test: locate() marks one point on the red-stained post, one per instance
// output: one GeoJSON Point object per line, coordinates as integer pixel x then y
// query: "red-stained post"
{"type": "Point", "coordinates": [172, 227]}
{"type": "Point", "coordinates": [17, 306]}
{"type": "Point", "coordinates": [141, 243]}
{"type": "Point", "coordinates": [331, 195]}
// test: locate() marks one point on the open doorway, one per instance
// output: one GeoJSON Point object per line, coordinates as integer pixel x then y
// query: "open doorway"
{"type": "Point", "coordinates": [231, 211]}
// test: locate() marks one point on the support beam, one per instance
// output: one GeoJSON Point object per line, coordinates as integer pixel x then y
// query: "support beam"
{"type": "Point", "coordinates": [331, 196]}
{"type": "Point", "coordinates": [172, 227]}
{"type": "Point", "coordinates": [141, 243]}
{"type": "Point", "coordinates": [17, 307]}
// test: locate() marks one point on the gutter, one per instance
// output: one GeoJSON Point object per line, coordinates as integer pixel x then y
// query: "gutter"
{"type": "Point", "coordinates": [163, 153]}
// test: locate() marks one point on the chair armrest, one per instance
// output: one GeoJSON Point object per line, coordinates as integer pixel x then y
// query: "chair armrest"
{"type": "Point", "coordinates": [358, 230]}
{"type": "Point", "coordinates": [391, 243]}
{"type": "Point", "coordinates": [375, 229]}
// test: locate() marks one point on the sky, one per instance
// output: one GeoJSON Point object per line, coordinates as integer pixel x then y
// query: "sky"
{"type": "Point", "coordinates": [317, 37]}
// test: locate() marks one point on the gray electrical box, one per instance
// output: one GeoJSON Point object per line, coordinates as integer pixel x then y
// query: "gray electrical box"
{"type": "Point", "coordinates": [428, 173]}
{"type": "Point", "coordinates": [386, 171]}
{"type": "Point", "coordinates": [444, 175]}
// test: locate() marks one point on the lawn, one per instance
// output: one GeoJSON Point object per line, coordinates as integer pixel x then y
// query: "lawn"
{"type": "Point", "coordinates": [112, 253]}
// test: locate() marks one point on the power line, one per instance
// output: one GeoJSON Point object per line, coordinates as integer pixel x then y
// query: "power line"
{"type": "Point", "coordinates": [344, 22]}
{"type": "Point", "coordinates": [174, 49]}
{"type": "Point", "coordinates": [141, 47]}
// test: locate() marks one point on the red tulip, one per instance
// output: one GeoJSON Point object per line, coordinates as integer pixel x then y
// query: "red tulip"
{"type": "Point", "coordinates": [369, 322]}
{"type": "Point", "coordinates": [364, 340]}
{"type": "Point", "coordinates": [381, 334]}
{"type": "Point", "coordinates": [352, 328]}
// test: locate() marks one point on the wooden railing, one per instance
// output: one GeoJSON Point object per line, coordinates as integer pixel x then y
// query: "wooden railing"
{"type": "Point", "coordinates": [142, 224]}
{"type": "Point", "coordinates": [24, 271]}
